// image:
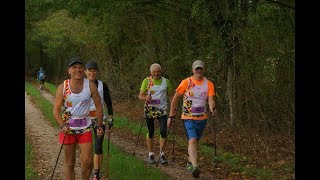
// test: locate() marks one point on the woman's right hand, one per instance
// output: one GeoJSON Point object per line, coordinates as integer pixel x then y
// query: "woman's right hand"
{"type": "Point", "coordinates": [169, 120]}
{"type": "Point", "coordinates": [148, 98]}
{"type": "Point", "coordinates": [65, 129]}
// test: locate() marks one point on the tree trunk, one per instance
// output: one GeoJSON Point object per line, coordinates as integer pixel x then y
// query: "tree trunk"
{"type": "Point", "coordinates": [41, 55]}
{"type": "Point", "coordinates": [230, 94]}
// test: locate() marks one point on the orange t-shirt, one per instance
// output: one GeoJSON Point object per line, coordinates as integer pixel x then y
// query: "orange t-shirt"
{"type": "Point", "coordinates": [181, 89]}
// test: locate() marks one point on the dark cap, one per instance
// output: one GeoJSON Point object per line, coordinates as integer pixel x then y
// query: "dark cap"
{"type": "Point", "coordinates": [92, 64]}
{"type": "Point", "coordinates": [74, 61]}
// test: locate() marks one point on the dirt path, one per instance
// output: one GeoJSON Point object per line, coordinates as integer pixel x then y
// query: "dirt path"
{"type": "Point", "coordinates": [46, 145]}
{"type": "Point", "coordinates": [45, 142]}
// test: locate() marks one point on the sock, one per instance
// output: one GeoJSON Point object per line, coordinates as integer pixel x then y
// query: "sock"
{"type": "Point", "coordinates": [151, 153]}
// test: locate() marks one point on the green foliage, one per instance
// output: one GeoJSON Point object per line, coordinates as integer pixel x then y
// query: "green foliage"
{"type": "Point", "coordinates": [254, 41]}
{"type": "Point", "coordinates": [59, 32]}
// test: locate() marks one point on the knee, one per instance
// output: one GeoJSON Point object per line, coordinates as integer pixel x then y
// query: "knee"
{"type": "Point", "coordinates": [87, 162]}
{"type": "Point", "coordinates": [69, 164]}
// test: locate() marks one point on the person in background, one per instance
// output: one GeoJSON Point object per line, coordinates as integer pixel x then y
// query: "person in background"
{"type": "Point", "coordinates": [74, 95]}
{"type": "Point", "coordinates": [196, 91]}
{"type": "Point", "coordinates": [154, 91]}
{"type": "Point", "coordinates": [92, 73]}
{"type": "Point", "coordinates": [41, 75]}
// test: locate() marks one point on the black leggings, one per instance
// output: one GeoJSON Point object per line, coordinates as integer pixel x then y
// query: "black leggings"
{"type": "Point", "coordinates": [162, 123]}
{"type": "Point", "coordinates": [98, 140]}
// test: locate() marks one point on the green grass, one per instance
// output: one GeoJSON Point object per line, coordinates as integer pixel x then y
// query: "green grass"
{"type": "Point", "coordinates": [43, 104]}
{"type": "Point", "coordinates": [121, 165]}
{"type": "Point", "coordinates": [124, 166]}
{"type": "Point", "coordinates": [30, 174]}
{"type": "Point", "coordinates": [50, 87]}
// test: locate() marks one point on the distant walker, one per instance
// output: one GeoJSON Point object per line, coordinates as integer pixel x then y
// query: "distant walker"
{"type": "Point", "coordinates": [41, 77]}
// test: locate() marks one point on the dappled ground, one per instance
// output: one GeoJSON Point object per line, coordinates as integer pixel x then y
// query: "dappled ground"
{"type": "Point", "coordinates": [44, 140]}
{"type": "Point", "coordinates": [266, 153]}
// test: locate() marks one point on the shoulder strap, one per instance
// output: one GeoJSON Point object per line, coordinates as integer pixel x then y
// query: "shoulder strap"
{"type": "Point", "coordinates": [66, 88]}
{"type": "Point", "coordinates": [190, 83]}
{"type": "Point", "coordinates": [150, 82]}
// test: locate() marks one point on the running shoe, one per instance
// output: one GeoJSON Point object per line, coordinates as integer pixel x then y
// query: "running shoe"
{"type": "Point", "coordinates": [151, 159]}
{"type": "Point", "coordinates": [189, 167]}
{"type": "Point", "coordinates": [195, 171]}
{"type": "Point", "coordinates": [163, 160]}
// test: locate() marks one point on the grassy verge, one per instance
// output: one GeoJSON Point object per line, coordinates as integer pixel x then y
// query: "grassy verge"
{"type": "Point", "coordinates": [121, 166]}
{"type": "Point", "coordinates": [44, 105]}
{"type": "Point", "coordinates": [30, 173]}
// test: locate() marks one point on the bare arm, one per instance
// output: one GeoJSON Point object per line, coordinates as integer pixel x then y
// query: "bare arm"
{"type": "Point", "coordinates": [57, 105]}
{"type": "Point", "coordinates": [143, 96]}
{"type": "Point", "coordinates": [174, 103]}
{"type": "Point", "coordinates": [212, 104]}
{"type": "Point", "coordinates": [173, 106]}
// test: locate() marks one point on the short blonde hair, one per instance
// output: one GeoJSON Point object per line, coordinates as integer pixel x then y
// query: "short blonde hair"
{"type": "Point", "coordinates": [155, 66]}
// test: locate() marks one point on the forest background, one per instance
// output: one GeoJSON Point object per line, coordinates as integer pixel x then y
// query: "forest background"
{"type": "Point", "coordinates": [248, 47]}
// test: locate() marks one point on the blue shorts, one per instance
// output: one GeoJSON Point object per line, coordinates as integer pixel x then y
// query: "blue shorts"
{"type": "Point", "coordinates": [194, 128]}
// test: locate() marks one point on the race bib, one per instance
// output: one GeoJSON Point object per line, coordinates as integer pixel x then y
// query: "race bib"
{"type": "Point", "coordinates": [154, 101]}
{"type": "Point", "coordinates": [197, 109]}
{"type": "Point", "coordinates": [77, 122]}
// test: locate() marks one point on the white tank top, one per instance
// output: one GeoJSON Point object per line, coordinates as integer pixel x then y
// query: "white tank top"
{"type": "Point", "coordinates": [93, 107]}
{"type": "Point", "coordinates": [78, 105]}
{"type": "Point", "coordinates": [195, 99]}
{"type": "Point", "coordinates": [159, 95]}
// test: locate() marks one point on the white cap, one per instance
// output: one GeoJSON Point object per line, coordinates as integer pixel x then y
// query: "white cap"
{"type": "Point", "coordinates": [197, 64]}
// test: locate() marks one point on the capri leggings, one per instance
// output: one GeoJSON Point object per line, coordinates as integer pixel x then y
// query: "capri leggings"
{"type": "Point", "coordinates": [98, 140]}
{"type": "Point", "coordinates": [162, 123]}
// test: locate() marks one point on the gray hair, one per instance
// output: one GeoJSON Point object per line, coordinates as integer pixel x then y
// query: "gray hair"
{"type": "Point", "coordinates": [155, 66]}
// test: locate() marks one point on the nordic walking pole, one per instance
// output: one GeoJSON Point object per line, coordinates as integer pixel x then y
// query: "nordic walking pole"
{"type": "Point", "coordinates": [214, 136]}
{"type": "Point", "coordinates": [108, 150]}
{"type": "Point", "coordinates": [173, 138]}
{"type": "Point", "coordinates": [134, 149]}
{"type": "Point", "coordinates": [58, 156]}
{"type": "Point", "coordinates": [108, 156]}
